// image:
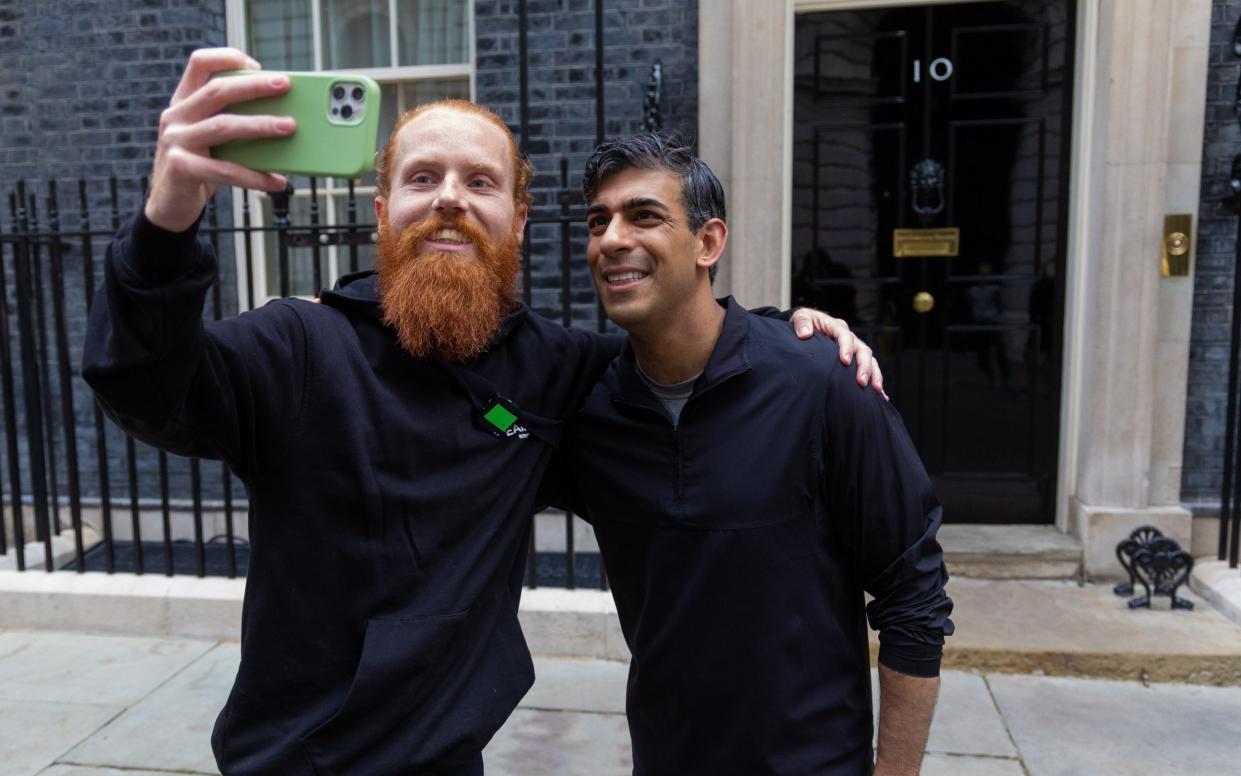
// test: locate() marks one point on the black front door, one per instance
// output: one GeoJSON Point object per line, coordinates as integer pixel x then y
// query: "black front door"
{"type": "Point", "coordinates": [930, 172]}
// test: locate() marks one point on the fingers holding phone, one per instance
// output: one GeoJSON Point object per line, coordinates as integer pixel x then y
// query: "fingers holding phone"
{"type": "Point", "coordinates": [185, 174]}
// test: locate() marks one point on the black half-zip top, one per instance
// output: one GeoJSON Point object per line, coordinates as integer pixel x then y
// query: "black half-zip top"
{"type": "Point", "coordinates": [728, 359]}
{"type": "Point", "coordinates": [738, 548]}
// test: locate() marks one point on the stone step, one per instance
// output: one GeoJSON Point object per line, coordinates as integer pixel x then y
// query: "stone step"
{"type": "Point", "coordinates": [1010, 552]}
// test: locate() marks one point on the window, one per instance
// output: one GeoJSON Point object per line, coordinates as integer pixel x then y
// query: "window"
{"type": "Point", "coordinates": [418, 51]}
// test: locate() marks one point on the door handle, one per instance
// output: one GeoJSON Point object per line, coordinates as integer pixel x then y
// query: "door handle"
{"type": "Point", "coordinates": [923, 302]}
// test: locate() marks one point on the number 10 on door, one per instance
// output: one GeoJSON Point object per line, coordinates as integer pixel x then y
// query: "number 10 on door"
{"type": "Point", "coordinates": [940, 69]}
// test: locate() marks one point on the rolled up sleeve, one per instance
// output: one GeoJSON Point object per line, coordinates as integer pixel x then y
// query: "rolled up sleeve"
{"type": "Point", "coordinates": [880, 496]}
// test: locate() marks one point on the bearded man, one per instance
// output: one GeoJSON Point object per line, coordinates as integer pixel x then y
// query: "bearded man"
{"type": "Point", "coordinates": [391, 439]}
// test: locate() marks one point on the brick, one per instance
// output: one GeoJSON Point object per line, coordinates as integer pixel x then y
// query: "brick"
{"type": "Point", "coordinates": [1213, 272]}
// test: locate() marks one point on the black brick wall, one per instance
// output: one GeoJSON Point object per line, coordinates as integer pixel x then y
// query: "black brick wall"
{"type": "Point", "coordinates": [561, 46]}
{"type": "Point", "coordinates": [1213, 273]}
{"type": "Point", "coordinates": [82, 84]}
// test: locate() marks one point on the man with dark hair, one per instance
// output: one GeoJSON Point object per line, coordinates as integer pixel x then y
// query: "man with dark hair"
{"type": "Point", "coordinates": [745, 494]}
{"type": "Point", "coordinates": [702, 195]}
{"type": "Point", "coordinates": [390, 499]}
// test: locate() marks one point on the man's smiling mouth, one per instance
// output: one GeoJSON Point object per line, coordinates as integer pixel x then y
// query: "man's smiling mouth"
{"type": "Point", "coordinates": [624, 277]}
{"type": "Point", "coordinates": [449, 236]}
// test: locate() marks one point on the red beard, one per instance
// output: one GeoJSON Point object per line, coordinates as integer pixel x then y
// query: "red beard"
{"type": "Point", "coordinates": [440, 304]}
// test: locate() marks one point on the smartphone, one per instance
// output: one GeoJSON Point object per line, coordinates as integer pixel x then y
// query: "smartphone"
{"type": "Point", "coordinates": [337, 120]}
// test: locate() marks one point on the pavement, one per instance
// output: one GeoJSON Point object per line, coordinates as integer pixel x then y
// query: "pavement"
{"type": "Point", "coordinates": [74, 704]}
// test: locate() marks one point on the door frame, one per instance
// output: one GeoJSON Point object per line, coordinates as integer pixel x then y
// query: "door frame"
{"type": "Point", "coordinates": [753, 42]}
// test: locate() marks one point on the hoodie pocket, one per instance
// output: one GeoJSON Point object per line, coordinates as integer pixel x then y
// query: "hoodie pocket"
{"type": "Point", "coordinates": [426, 691]}
{"type": "Point", "coordinates": [393, 678]}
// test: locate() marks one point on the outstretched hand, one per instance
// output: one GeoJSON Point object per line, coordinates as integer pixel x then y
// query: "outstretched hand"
{"type": "Point", "coordinates": [806, 321]}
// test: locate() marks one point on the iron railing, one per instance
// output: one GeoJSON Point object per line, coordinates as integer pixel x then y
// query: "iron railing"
{"type": "Point", "coordinates": [1230, 489]}
{"type": "Point", "coordinates": [96, 499]}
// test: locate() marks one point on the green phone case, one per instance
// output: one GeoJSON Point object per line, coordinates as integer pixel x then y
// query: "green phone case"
{"type": "Point", "coordinates": [320, 146]}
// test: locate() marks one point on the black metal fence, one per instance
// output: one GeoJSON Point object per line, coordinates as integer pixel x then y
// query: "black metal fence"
{"type": "Point", "coordinates": [1230, 492]}
{"type": "Point", "coordinates": [1230, 495]}
{"type": "Point", "coordinates": [89, 497]}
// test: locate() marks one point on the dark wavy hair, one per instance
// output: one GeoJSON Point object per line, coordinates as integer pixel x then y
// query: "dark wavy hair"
{"type": "Point", "coordinates": [702, 194]}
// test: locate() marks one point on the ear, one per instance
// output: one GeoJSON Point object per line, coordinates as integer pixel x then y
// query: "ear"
{"type": "Point", "coordinates": [519, 223]}
{"type": "Point", "coordinates": [713, 236]}
{"type": "Point", "coordinates": [380, 206]}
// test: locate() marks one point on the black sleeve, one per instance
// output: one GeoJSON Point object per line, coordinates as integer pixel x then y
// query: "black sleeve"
{"type": "Point", "coordinates": [220, 390]}
{"type": "Point", "coordinates": [880, 493]}
{"type": "Point", "coordinates": [584, 361]}
{"type": "Point", "coordinates": [558, 488]}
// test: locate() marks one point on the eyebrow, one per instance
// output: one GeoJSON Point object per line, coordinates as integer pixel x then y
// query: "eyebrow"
{"type": "Point", "coordinates": [479, 165]}
{"type": "Point", "coordinates": [629, 204]}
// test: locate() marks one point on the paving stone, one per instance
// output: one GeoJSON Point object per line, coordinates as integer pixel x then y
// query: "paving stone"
{"type": "Point", "coordinates": [34, 733]}
{"type": "Point", "coordinates": [90, 770]}
{"type": "Point", "coordinates": [170, 729]}
{"type": "Point", "coordinates": [107, 670]}
{"type": "Point", "coordinates": [555, 743]}
{"type": "Point", "coordinates": [964, 765]}
{"type": "Point", "coordinates": [578, 685]}
{"type": "Point", "coordinates": [966, 719]}
{"type": "Point", "coordinates": [1068, 727]}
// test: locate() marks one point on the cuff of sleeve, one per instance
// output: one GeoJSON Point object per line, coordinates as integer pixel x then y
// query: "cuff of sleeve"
{"type": "Point", "coordinates": [922, 660]}
{"type": "Point", "coordinates": [157, 256]}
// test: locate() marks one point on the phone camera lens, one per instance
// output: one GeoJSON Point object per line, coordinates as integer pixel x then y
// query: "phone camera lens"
{"type": "Point", "coordinates": [339, 92]}
{"type": "Point", "coordinates": [346, 111]}
{"type": "Point", "coordinates": [357, 93]}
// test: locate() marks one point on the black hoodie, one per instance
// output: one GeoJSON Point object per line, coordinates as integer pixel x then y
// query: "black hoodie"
{"type": "Point", "coordinates": [388, 517]}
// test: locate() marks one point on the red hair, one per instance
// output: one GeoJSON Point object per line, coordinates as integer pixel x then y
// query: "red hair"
{"type": "Point", "coordinates": [523, 171]}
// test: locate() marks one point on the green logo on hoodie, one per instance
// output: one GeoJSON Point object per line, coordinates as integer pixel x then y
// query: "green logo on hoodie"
{"type": "Point", "coordinates": [499, 417]}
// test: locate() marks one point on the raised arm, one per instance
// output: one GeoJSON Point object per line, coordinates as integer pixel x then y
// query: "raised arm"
{"type": "Point", "coordinates": [220, 390]}
{"type": "Point", "coordinates": [156, 369]}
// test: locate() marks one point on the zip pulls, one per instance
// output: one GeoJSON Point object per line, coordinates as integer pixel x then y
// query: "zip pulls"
{"type": "Point", "coordinates": [649, 402]}
{"type": "Point", "coordinates": [651, 405]}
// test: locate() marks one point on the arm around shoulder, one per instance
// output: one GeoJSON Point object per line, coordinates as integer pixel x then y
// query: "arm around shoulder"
{"type": "Point", "coordinates": [582, 356]}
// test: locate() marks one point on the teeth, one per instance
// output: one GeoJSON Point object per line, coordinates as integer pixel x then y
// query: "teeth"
{"type": "Point", "coordinates": [625, 277]}
{"type": "Point", "coordinates": [449, 236]}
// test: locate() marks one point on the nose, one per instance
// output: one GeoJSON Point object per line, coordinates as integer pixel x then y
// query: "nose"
{"type": "Point", "coordinates": [617, 238]}
{"type": "Point", "coordinates": [450, 195]}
